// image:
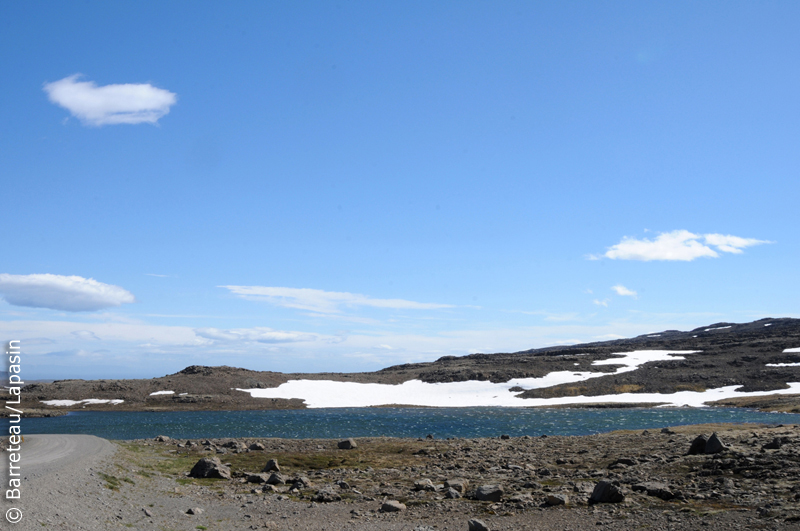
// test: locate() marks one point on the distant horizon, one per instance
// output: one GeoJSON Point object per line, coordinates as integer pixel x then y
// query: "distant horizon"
{"type": "Point", "coordinates": [317, 187]}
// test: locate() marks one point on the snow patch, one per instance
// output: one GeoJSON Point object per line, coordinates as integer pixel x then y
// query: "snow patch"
{"type": "Point", "coordinates": [88, 401]}
{"type": "Point", "coordinates": [326, 393]}
{"type": "Point", "coordinates": [162, 393]}
{"type": "Point", "coordinates": [783, 364]}
{"type": "Point", "coordinates": [786, 350]}
{"type": "Point", "coordinates": [768, 324]}
{"type": "Point", "coordinates": [718, 328]}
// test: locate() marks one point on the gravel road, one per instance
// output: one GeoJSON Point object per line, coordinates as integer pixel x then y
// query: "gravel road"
{"type": "Point", "coordinates": [59, 483]}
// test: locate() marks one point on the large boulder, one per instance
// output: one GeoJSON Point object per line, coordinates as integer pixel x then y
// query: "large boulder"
{"type": "Point", "coordinates": [606, 492]}
{"type": "Point", "coordinates": [347, 444]}
{"type": "Point", "coordinates": [477, 525]}
{"type": "Point", "coordinates": [653, 488]}
{"type": "Point", "coordinates": [714, 445]}
{"type": "Point", "coordinates": [210, 467]}
{"type": "Point", "coordinates": [271, 466]}
{"type": "Point", "coordinates": [698, 445]}
{"type": "Point", "coordinates": [490, 493]}
{"type": "Point", "coordinates": [461, 485]}
{"type": "Point", "coordinates": [276, 479]}
{"type": "Point", "coordinates": [392, 506]}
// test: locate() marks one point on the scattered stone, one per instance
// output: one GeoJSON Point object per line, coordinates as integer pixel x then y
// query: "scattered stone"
{"type": "Point", "coordinates": [556, 499]}
{"type": "Point", "coordinates": [490, 493]}
{"type": "Point", "coordinates": [776, 443]}
{"type": "Point", "coordinates": [326, 495]}
{"type": "Point", "coordinates": [347, 444]}
{"type": "Point", "coordinates": [147, 513]}
{"type": "Point", "coordinates": [276, 479]}
{"type": "Point", "coordinates": [452, 494]}
{"type": "Point", "coordinates": [392, 506]}
{"type": "Point", "coordinates": [424, 484]}
{"type": "Point", "coordinates": [162, 438]}
{"type": "Point", "coordinates": [256, 478]}
{"type": "Point", "coordinates": [505, 437]}
{"type": "Point", "coordinates": [271, 466]}
{"type": "Point", "coordinates": [210, 467]}
{"type": "Point", "coordinates": [667, 431]}
{"type": "Point", "coordinates": [698, 445]}
{"type": "Point", "coordinates": [256, 447]}
{"type": "Point", "coordinates": [301, 482]}
{"type": "Point", "coordinates": [606, 492]}
{"type": "Point", "coordinates": [652, 488]}
{"type": "Point", "coordinates": [459, 484]}
{"type": "Point", "coordinates": [714, 445]}
{"type": "Point", "coordinates": [195, 511]}
{"type": "Point", "coordinates": [477, 525]}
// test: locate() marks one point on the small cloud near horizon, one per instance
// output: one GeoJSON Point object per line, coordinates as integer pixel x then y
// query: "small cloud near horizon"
{"type": "Point", "coordinates": [678, 245]}
{"type": "Point", "coordinates": [129, 103]}
{"type": "Point", "coordinates": [58, 292]}
{"type": "Point", "coordinates": [323, 302]}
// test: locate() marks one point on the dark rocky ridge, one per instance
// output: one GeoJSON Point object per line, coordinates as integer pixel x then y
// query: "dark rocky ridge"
{"type": "Point", "coordinates": [731, 354]}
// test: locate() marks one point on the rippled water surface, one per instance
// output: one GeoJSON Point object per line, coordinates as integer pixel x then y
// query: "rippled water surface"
{"type": "Point", "coordinates": [390, 422]}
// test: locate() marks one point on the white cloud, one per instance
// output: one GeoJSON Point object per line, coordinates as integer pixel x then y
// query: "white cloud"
{"type": "Point", "coordinates": [680, 245]}
{"type": "Point", "coordinates": [603, 302]}
{"type": "Point", "coordinates": [623, 291]}
{"type": "Point", "coordinates": [129, 103]}
{"type": "Point", "coordinates": [324, 302]}
{"type": "Point", "coordinates": [57, 292]}
{"type": "Point", "coordinates": [256, 334]}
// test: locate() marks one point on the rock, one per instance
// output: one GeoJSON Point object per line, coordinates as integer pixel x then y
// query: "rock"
{"type": "Point", "coordinates": [698, 445]}
{"type": "Point", "coordinates": [347, 444]}
{"type": "Point", "coordinates": [301, 482]}
{"type": "Point", "coordinates": [424, 484]}
{"type": "Point", "coordinates": [210, 467]}
{"type": "Point", "coordinates": [276, 479]}
{"type": "Point", "coordinates": [652, 488]}
{"type": "Point", "coordinates": [256, 447]}
{"type": "Point", "coordinates": [392, 506]}
{"type": "Point", "coordinates": [491, 493]}
{"type": "Point", "coordinates": [326, 495]}
{"type": "Point", "coordinates": [477, 525]}
{"type": "Point", "coordinates": [195, 511]}
{"type": "Point", "coordinates": [162, 438]}
{"type": "Point", "coordinates": [556, 499]}
{"type": "Point", "coordinates": [452, 494]}
{"type": "Point", "coordinates": [256, 478]}
{"type": "Point", "coordinates": [667, 431]}
{"type": "Point", "coordinates": [147, 513]}
{"type": "Point", "coordinates": [776, 443]}
{"type": "Point", "coordinates": [505, 437]}
{"type": "Point", "coordinates": [606, 492]}
{"type": "Point", "coordinates": [271, 466]}
{"type": "Point", "coordinates": [714, 445]}
{"type": "Point", "coordinates": [460, 485]}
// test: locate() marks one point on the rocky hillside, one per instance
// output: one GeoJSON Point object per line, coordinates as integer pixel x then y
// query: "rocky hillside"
{"type": "Point", "coordinates": [730, 354]}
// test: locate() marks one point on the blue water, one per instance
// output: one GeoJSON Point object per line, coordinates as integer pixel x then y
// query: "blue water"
{"type": "Point", "coordinates": [391, 422]}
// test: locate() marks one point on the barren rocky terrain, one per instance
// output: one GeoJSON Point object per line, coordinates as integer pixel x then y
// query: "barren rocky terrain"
{"type": "Point", "coordinates": [639, 480]}
{"type": "Point", "coordinates": [729, 354]}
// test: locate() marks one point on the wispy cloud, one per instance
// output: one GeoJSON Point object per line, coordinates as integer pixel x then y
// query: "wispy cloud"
{"type": "Point", "coordinates": [324, 302]}
{"type": "Point", "coordinates": [678, 245]}
{"type": "Point", "coordinates": [256, 334]}
{"type": "Point", "coordinates": [57, 292]}
{"type": "Point", "coordinates": [623, 291]}
{"type": "Point", "coordinates": [129, 103]}
{"type": "Point", "coordinates": [603, 303]}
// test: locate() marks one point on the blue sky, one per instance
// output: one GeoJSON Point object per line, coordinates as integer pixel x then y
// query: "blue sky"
{"type": "Point", "coordinates": [341, 187]}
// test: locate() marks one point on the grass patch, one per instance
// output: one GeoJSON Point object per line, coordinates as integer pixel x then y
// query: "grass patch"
{"type": "Point", "coordinates": [112, 482]}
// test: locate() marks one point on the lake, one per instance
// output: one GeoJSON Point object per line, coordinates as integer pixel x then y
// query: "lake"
{"type": "Point", "coordinates": [390, 422]}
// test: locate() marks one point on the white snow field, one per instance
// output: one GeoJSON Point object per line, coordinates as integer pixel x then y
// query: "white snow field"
{"type": "Point", "coordinates": [329, 394]}
{"type": "Point", "coordinates": [162, 393]}
{"type": "Point", "coordinates": [791, 350]}
{"type": "Point", "coordinates": [68, 403]}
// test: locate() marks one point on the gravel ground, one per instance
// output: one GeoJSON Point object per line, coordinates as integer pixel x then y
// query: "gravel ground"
{"type": "Point", "coordinates": [97, 485]}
